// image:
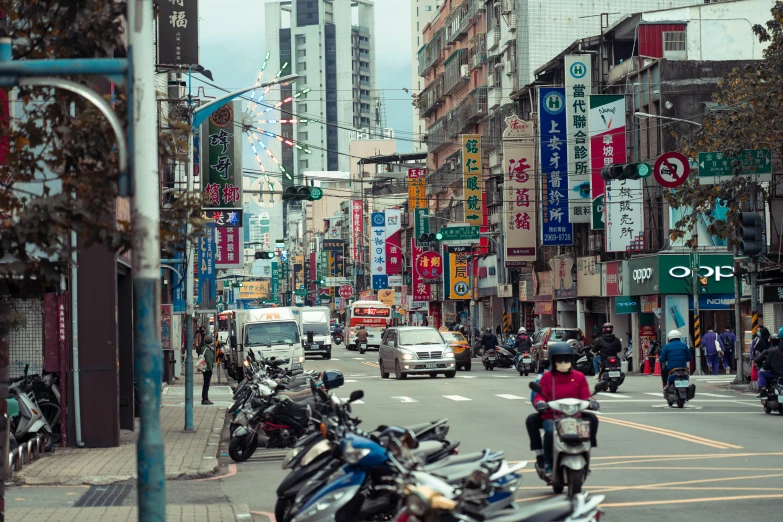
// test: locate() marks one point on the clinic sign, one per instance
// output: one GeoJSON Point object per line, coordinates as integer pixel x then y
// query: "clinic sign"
{"type": "Point", "coordinates": [671, 274]}
{"type": "Point", "coordinates": [578, 87]}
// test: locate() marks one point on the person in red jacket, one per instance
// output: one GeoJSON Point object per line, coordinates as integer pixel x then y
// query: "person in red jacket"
{"type": "Point", "coordinates": [560, 382]}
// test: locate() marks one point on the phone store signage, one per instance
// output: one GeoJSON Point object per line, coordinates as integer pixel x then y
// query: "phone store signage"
{"type": "Point", "coordinates": [671, 274]}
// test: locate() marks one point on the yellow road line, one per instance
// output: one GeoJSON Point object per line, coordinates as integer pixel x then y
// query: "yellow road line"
{"type": "Point", "coordinates": [687, 501]}
{"type": "Point", "coordinates": [672, 433]}
{"type": "Point", "coordinates": [662, 458]}
{"type": "Point", "coordinates": [374, 365]}
{"type": "Point", "coordinates": [691, 468]}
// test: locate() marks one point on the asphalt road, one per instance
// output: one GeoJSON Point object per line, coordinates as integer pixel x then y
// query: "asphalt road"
{"type": "Point", "coordinates": [715, 460]}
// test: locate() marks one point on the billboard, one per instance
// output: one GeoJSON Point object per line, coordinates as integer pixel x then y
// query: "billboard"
{"type": "Point", "coordinates": [519, 190]}
{"type": "Point", "coordinates": [578, 86]}
{"type": "Point", "coordinates": [471, 169]}
{"type": "Point", "coordinates": [556, 226]}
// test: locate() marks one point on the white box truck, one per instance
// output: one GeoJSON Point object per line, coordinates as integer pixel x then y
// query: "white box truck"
{"type": "Point", "coordinates": [315, 319]}
{"type": "Point", "coordinates": [272, 332]}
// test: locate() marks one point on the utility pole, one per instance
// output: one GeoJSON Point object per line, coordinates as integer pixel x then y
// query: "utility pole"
{"type": "Point", "coordinates": [754, 289]}
{"type": "Point", "coordinates": [695, 279]}
{"type": "Point", "coordinates": [738, 320]}
{"type": "Point", "coordinates": [146, 262]}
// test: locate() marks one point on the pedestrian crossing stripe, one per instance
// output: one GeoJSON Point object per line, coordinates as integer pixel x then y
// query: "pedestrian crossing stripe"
{"type": "Point", "coordinates": [457, 398]}
{"type": "Point", "coordinates": [615, 395]}
{"type": "Point", "coordinates": [405, 399]}
{"type": "Point", "coordinates": [509, 396]}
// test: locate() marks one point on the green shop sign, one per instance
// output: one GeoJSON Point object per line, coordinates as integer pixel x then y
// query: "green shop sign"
{"type": "Point", "coordinates": [670, 274]}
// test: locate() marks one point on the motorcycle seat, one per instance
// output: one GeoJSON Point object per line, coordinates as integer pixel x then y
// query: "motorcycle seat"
{"type": "Point", "coordinates": [556, 508]}
{"type": "Point", "coordinates": [427, 448]}
{"type": "Point", "coordinates": [459, 473]}
{"type": "Point", "coordinates": [456, 460]}
{"type": "Point", "coordinates": [297, 395]}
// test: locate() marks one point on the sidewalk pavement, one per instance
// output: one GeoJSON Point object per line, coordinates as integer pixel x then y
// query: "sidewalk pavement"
{"type": "Point", "coordinates": [189, 513]}
{"type": "Point", "coordinates": [189, 455]}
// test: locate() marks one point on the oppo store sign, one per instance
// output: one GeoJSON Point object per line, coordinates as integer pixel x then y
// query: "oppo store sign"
{"type": "Point", "coordinates": [671, 274]}
{"type": "Point", "coordinates": [710, 272]}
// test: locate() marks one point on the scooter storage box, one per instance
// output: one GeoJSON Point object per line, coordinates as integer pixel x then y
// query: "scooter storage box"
{"type": "Point", "coordinates": [333, 379]}
{"type": "Point", "coordinates": [691, 391]}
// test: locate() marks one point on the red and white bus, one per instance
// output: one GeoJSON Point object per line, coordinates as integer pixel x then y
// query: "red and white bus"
{"type": "Point", "coordinates": [373, 315]}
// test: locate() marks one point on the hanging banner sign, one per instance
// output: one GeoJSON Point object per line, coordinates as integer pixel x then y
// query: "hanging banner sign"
{"type": "Point", "coordinates": [557, 229]}
{"type": "Point", "coordinates": [417, 188]}
{"type": "Point", "coordinates": [230, 249]}
{"type": "Point", "coordinates": [393, 241]}
{"type": "Point", "coordinates": [624, 211]}
{"type": "Point", "coordinates": [378, 251]}
{"type": "Point", "coordinates": [178, 32]}
{"type": "Point", "coordinates": [578, 83]}
{"type": "Point", "coordinates": [471, 168]}
{"type": "Point", "coordinates": [357, 229]}
{"type": "Point", "coordinates": [207, 274]}
{"type": "Point", "coordinates": [456, 282]}
{"type": "Point", "coordinates": [519, 190]}
{"type": "Point", "coordinates": [607, 146]}
{"type": "Point", "coordinates": [221, 180]}
{"type": "Point", "coordinates": [421, 291]}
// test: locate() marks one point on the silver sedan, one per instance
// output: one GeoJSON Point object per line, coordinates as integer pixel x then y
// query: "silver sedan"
{"type": "Point", "coordinates": [415, 349]}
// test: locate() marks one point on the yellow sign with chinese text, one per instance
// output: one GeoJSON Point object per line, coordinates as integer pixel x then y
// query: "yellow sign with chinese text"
{"type": "Point", "coordinates": [471, 168]}
{"type": "Point", "coordinates": [254, 290]}
{"type": "Point", "coordinates": [457, 284]}
{"type": "Point", "coordinates": [417, 188]}
{"type": "Point", "coordinates": [386, 296]}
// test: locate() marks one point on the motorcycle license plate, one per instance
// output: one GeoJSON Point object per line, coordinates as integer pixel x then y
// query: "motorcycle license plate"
{"type": "Point", "coordinates": [491, 358]}
{"type": "Point", "coordinates": [431, 365]}
{"type": "Point", "coordinates": [680, 384]}
{"type": "Point", "coordinates": [526, 360]}
{"type": "Point", "coordinates": [614, 374]}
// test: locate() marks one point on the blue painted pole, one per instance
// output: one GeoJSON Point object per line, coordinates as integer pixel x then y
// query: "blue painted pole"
{"type": "Point", "coordinates": [189, 293]}
{"type": "Point", "coordinates": [148, 356]}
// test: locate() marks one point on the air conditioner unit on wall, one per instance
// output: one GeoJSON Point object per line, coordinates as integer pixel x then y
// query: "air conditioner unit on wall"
{"type": "Point", "coordinates": [491, 80]}
{"type": "Point", "coordinates": [509, 66]}
{"type": "Point", "coordinates": [464, 70]}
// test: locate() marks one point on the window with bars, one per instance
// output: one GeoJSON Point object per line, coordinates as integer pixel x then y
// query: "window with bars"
{"type": "Point", "coordinates": [673, 41]}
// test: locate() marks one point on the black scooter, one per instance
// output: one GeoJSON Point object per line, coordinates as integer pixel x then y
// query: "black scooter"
{"type": "Point", "coordinates": [679, 390]}
{"type": "Point", "coordinates": [497, 358]}
{"type": "Point", "coordinates": [612, 373]}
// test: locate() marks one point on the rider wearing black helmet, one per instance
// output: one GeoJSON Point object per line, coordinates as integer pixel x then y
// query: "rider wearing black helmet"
{"type": "Point", "coordinates": [605, 346]}
{"type": "Point", "coordinates": [562, 381]}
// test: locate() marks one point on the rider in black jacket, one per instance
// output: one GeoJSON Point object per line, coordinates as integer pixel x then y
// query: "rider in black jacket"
{"type": "Point", "coordinates": [522, 343]}
{"type": "Point", "coordinates": [605, 346]}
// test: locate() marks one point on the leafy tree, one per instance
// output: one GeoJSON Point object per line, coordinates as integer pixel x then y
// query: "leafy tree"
{"type": "Point", "coordinates": [61, 170]}
{"type": "Point", "coordinates": [746, 117]}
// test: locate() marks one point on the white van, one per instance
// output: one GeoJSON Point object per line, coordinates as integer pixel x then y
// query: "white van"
{"type": "Point", "coordinates": [272, 332]}
{"type": "Point", "coordinates": [316, 319]}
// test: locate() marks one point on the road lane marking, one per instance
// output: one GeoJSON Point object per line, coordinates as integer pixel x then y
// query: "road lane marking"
{"type": "Point", "coordinates": [457, 398]}
{"type": "Point", "coordinates": [687, 501]}
{"type": "Point", "coordinates": [350, 380]}
{"type": "Point", "coordinates": [716, 395]}
{"type": "Point", "coordinates": [686, 456]}
{"type": "Point", "coordinates": [405, 399]}
{"type": "Point", "coordinates": [358, 358]}
{"type": "Point", "coordinates": [466, 376]}
{"type": "Point", "coordinates": [656, 394]}
{"type": "Point", "coordinates": [509, 396]}
{"type": "Point", "coordinates": [672, 433]}
{"type": "Point", "coordinates": [615, 395]}
{"type": "Point", "coordinates": [372, 364]}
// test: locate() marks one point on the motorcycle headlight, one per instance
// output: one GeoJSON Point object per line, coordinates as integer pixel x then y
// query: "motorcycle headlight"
{"type": "Point", "coordinates": [417, 504]}
{"type": "Point", "coordinates": [354, 455]}
{"type": "Point", "coordinates": [570, 409]}
{"type": "Point", "coordinates": [315, 452]}
{"type": "Point", "coordinates": [291, 455]}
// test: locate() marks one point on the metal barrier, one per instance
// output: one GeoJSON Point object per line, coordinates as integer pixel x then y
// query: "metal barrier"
{"type": "Point", "coordinates": [25, 454]}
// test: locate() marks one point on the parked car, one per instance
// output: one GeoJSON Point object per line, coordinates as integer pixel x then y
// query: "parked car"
{"type": "Point", "coordinates": [415, 350]}
{"type": "Point", "coordinates": [461, 348]}
{"type": "Point", "coordinates": [550, 334]}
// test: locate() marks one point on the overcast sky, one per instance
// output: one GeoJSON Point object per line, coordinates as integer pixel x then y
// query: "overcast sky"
{"type": "Point", "coordinates": [232, 46]}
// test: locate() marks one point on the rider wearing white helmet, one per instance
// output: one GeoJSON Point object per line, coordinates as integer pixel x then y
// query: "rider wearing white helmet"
{"type": "Point", "coordinates": [675, 354]}
{"type": "Point", "coordinates": [522, 343]}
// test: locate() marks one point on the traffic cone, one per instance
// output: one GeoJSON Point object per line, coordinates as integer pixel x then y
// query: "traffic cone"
{"type": "Point", "coordinates": [657, 367]}
{"type": "Point", "coordinates": [646, 366]}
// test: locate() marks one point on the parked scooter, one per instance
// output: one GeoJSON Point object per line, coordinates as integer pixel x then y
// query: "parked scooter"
{"type": "Point", "coordinates": [613, 374]}
{"type": "Point", "coordinates": [679, 390]}
{"type": "Point", "coordinates": [30, 422]}
{"type": "Point", "coordinates": [774, 399]}
{"type": "Point", "coordinates": [497, 358]}
{"type": "Point", "coordinates": [571, 443]}
{"type": "Point", "coordinates": [524, 363]}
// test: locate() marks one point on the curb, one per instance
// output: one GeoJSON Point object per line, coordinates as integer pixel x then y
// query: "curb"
{"type": "Point", "coordinates": [242, 513]}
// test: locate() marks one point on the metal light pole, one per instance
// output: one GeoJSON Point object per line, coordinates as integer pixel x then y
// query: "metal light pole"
{"type": "Point", "coordinates": [146, 263]}
{"type": "Point", "coordinates": [199, 116]}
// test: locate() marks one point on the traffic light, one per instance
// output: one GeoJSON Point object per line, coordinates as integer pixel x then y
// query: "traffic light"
{"type": "Point", "coordinates": [436, 236]}
{"type": "Point", "coordinates": [751, 236]}
{"type": "Point", "coordinates": [619, 171]}
{"type": "Point", "coordinates": [703, 286]}
{"type": "Point", "coordinates": [302, 193]}
{"type": "Point", "coordinates": [265, 255]}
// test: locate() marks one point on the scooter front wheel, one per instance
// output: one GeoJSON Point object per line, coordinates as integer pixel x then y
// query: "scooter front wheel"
{"type": "Point", "coordinates": [239, 449]}
{"type": "Point", "coordinates": [575, 479]}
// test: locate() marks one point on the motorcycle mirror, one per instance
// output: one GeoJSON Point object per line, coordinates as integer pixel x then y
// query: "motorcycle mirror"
{"type": "Point", "coordinates": [537, 387]}
{"type": "Point", "coordinates": [26, 368]}
{"type": "Point", "coordinates": [601, 386]}
{"type": "Point", "coordinates": [356, 395]}
{"type": "Point", "coordinates": [409, 440]}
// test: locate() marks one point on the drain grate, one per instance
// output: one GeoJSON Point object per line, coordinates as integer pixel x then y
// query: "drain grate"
{"type": "Point", "coordinates": [112, 495]}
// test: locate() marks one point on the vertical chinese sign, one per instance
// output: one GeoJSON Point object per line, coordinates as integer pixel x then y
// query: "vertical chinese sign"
{"type": "Point", "coordinates": [417, 188]}
{"type": "Point", "coordinates": [357, 228]}
{"type": "Point", "coordinates": [207, 274]}
{"type": "Point", "coordinates": [178, 32]}
{"type": "Point", "coordinates": [556, 226]}
{"type": "Point", "coordinates": [165, 327]}
{"type": "Point", "coordinates": [221, 178]}
{"type": "Point", "coordinates": [393, 241]}
{"type": "Point", "coordinates": [378, 251]}
{"type": "Point", "coordinates": [455, 276]}
{"type": "Point", "coordinates": [421, 291]}
{"type": "Point", "coordinates": [624, 211]}
{"type": "Point", "coordinates": [607, 146]}
{"type": "Point", "coordinates": [519, 195]}
{"type": "Point", "coordinates": [275, 283]}
{"type": "Point", "coordinates": [578, 83]}
{"type": "Point", "coordinates": [471, 168]}
{"type": "Point", "coordinates": [299, 279]}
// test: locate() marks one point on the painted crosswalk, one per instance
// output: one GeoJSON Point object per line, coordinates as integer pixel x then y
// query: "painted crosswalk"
{"type": "Point", "coordinates": [457, 398]}
{"type": "Point", "coordinates": [405, 399]}
{"type": "Point", "coordinates": [509, 396]}
{"type": "Point", "coordinates": [615, 395]}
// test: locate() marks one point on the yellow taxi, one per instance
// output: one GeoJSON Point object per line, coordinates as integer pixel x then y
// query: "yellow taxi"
{"type": "Point", "coordinates": [461, 348]}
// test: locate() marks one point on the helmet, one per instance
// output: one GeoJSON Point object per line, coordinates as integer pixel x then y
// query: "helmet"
{"type": "Point", "coordinates": [780, 332]}
{"type": "Point", "coordinates": [674, 334]}
{"type": "Point", "coordinates": [607, 328]}
{"type": "Point", "coordinates": [488, 329]}
{"type": "Point", "coordinates": [523, 331]}
{"type": "Point", "coordinates": [561, 349]}
{"type": "Point", "coordinates": [774, 339]}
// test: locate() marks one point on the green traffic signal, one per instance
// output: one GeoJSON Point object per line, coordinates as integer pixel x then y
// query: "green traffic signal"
{"type": "Point", "coordinates": [619, 171]}
{"type": "Point", "coordinates": [303, 193]}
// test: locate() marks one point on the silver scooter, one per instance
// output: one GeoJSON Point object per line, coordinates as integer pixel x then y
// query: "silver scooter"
{"type": "Point", "coordinates": [571, 443]}
{"type": "Point", "coordinates": [30, 422]}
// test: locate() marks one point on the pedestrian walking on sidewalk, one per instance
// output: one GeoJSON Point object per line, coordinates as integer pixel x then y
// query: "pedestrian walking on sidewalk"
{"type": "Point", "coordinates": [209, 358]}
{"type": "Point", "coordinates": [727, 339]}
{"type": "Point", "coordinates": [713, 350]}
{"type": "Point", "coordinates": [198, 338]}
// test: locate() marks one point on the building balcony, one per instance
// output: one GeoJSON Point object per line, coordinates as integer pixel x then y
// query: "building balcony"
{"type": "Point", "coordinates": [431, 97]}
{"type": "Point", "coordinates": [456, 71]}
{"type": "Point", "coordinates": [439, 179]}
{"type": "Point", "coordinates": [457, 23]}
